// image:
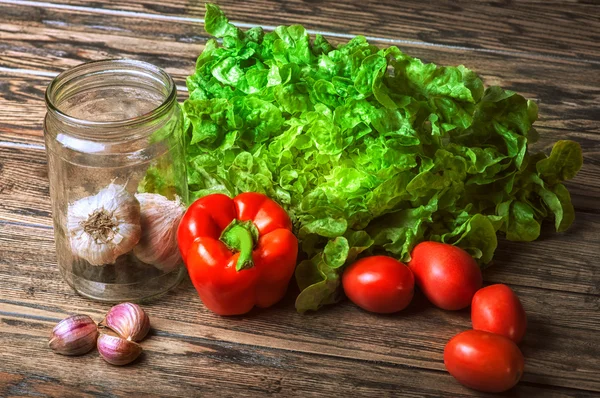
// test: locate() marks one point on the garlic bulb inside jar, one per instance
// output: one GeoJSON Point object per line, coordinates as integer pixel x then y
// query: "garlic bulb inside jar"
{"type": "Point", "coordinates": [104, 226]}
{"type": "Point", "coordinates": [160, 218]}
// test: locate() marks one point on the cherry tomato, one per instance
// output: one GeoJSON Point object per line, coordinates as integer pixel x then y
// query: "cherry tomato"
{"type": "Point", "coordinates": [447, 275]}
{"type": "Point", "coordinates": [497, 309]}
{"type": "Point", "coordinates": [484, 361]}
{"type": "Point", "coordinates": [379, 284]}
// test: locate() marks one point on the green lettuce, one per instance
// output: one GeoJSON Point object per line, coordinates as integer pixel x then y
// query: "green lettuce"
{"type": "Point", "coordinates": [368, 149]}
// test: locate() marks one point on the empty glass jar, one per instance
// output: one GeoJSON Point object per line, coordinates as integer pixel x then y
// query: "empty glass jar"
{"type": "Point", "coordinates": [113, 133]}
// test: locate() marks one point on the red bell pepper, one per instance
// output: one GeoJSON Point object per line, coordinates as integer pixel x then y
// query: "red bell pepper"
{"type": "Point", "coordinates": [239, 252]}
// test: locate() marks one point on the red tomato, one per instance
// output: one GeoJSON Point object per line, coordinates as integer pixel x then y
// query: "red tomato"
{"type": "Point", "coordinates": [497, 309]}
{"type": "Point", "coordinates": [379, 284]}
{"type": "Point", "coordinates": [447, 275]}
{"type": "Point", "coordinates": [484, 361]}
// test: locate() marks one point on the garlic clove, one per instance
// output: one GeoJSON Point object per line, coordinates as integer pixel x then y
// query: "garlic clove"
{"type": "Point", "coordinates": [75, 335]}
{"type": "Point", "coordinates": [104, 226]}
{"type": "Point", "coordinates": [159, 218]}
{"type": "Point", "coordinates": [118, 351]}
{"type": "Point", "coordinates": [128, 320]}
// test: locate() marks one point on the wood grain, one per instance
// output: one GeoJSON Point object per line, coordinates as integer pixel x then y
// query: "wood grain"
{"type": "Point", "coordinates": [43, 40]}
{"type": "Point", "coordinates": [25, 199]}
{"type": "Point", "coordinates": [182, 365]}
{"type": "Point", "coordinates": [560, 324]}
{"type": "Point", "coordinates": [547, 28]}
{"type": "Point", "coordinates": [547, 51]}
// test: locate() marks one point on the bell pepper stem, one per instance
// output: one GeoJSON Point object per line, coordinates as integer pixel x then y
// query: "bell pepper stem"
{"type": "Point", "coordinates": [241, 236]}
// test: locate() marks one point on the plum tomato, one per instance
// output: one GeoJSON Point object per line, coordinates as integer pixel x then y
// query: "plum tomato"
{"type": "Point", "coordinates": [379, 284]}
{"type": "Point", "coordinates": [484, 361]}
{"type": "Point", "coordinates": [497, 309]}
{"type": "Point", "coordinates": [447, 275]}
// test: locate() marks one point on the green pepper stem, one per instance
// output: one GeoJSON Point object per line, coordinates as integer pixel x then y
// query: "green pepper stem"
{"type": "Point", "coordinates": [241, 236]}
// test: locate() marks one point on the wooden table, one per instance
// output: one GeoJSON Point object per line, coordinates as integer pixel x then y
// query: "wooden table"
{"type": "Point", "coordinates": [547, 51]}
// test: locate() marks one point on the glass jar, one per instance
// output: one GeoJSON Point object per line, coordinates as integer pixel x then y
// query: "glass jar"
{"type": "Point", "coordinates": [113, 132]}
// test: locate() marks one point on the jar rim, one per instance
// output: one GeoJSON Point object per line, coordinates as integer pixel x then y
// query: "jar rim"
{"type": "Point", "coordinates": [115, 64]}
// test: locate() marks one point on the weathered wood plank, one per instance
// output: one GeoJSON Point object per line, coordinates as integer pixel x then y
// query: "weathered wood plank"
{"type": "Point", "coordinates": [34, 207]}
{"type": "Point", "coordinates": [56, 47]}
{"type": "Point", "coordinates": [25, 129]}
{"type": "Point", "coordinates": [567, 103]}
{"type": "Point", "coordinates": [52, 41]}
{"type": "Point", "coordinates": [561, 334]}
{"type": "Point", "coordinates": [556, 308]}
{"type": "Point", "coordinates": [505, 26]}
{"type": "Point", "coordinates": [177, 365]}
{"type": "Point", "coordinates": [196, 352]}
{"type": "Point", "coordinates": [22, 108]}
{"type": "Point", "coordinates": [568, 258]}
{"type": "Point", "coordinates": [22, 114]}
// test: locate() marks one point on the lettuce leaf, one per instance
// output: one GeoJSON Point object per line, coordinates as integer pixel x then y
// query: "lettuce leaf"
{"type": "Point", "coordinates": [368, 149]}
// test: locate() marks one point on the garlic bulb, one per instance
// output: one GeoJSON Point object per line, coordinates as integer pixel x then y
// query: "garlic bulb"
{"type": "Point", "coordinates": [104, 226]}
{"type": "Point", "coordinates": [160, 218]}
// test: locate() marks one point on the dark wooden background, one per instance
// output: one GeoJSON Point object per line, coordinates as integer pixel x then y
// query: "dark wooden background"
{"type": "Point", "coordinates": [547, 50]}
